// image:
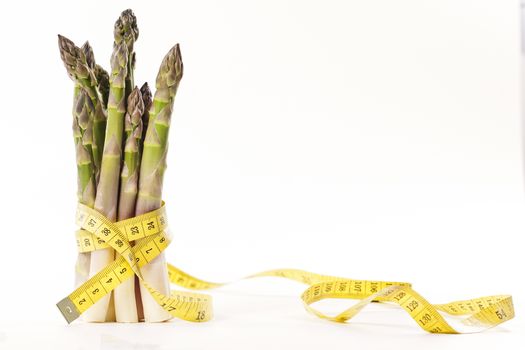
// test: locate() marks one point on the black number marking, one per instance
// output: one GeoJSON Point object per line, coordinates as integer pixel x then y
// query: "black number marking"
{"type": "Point", "coordinates": [425, 319]}
{"type": "Point", "coordinates": [412, 305]}
{"type": "Point", "coordinates": [399, 296]}
{"type": "Point", "coordinates": [501, 314]}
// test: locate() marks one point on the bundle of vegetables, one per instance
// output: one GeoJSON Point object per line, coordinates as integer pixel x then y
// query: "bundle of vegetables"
{"type": "Point", "coordinates": [121, 142]}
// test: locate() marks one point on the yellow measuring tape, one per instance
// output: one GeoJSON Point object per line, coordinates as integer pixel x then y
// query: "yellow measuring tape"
{"type": "Point", "coordinates": [97, 232]}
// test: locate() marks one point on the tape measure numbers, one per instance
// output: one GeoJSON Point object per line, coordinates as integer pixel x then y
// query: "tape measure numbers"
{"type": "Point", "coordinates": [97, 232]}
{"type": "Point", "coordinates": [150, 227]}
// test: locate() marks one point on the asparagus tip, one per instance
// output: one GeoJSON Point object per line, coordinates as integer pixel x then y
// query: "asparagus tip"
{"type": "Point", "coordinates": [69, 53]}
{"type": "Point", "coordinates": [103, 82]}
{"type": "Point", "coordinates": [134, 96]}
{"type": "Point", "coordinates": [147, 97]}
{"type": "Point", "coordinates": [90, 56]}
{"type": "Point", "coordinates": [171, 69]}
{"type": "Point", "coordinates": [64, 43]}
{"type": "Point", "coordinates": [126, 27]}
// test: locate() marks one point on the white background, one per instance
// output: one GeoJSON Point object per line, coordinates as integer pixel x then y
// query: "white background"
{"type": "Point", "coordinates": [367, 139]}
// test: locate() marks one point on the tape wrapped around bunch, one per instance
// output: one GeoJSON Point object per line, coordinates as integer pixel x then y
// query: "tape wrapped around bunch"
{"type": "Point", "coordinates": [98, 232]}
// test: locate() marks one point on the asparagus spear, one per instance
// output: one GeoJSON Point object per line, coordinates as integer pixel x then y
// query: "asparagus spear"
{"type": "Point", "coordinates": [106, 201]}
{"type": "Point", "coordinates": [82, 132]}
{"type": "Point", "coordinates": [130, 170]}
{"type": "Point", "coordinates": [82, 123]}
{"type": "Point", "coordinates": [152, 169]}
{"type": "Point", "coordinates": [81, 72]}
{"type": "Point", "coordinates": [103, 87]}
{"type": "Point", "coordinates": [102, 81]}
{"type": "Point", "coordinates": [126, 31]}
{"type": "Point", "coordinates": [125, 303]}
{"type": "Point", "coordinates": [147, 98]}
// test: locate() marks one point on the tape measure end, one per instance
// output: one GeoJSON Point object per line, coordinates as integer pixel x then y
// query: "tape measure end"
{"type": "Point", "coordinates": [68, 310]}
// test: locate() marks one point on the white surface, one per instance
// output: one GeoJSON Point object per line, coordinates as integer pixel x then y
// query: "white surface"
{"type": "Point", "coordinates": [368, 139]}
{"type": "Point", "coordinates": [248, 321]}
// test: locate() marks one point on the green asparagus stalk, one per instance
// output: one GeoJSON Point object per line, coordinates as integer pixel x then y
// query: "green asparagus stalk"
{"type": "Point", "coordinates": [106, 201]}
{"type": "Point", "coordinates": [81, 72]}
{"type": "Point", "coordinates": [156, 142]}
{"type": "Point", "coordinates": [82, 132]}
{"type": "Point", "coordinates": [126, 31]}
{"type": "Point", "coordinates": [107, 190]}
{"type": "Point", "coordinates": [86, 172]}
{"type": "Point", "coordinates": [129, 177]}
{"type": "Point", "coordinates": [102, 81]}
{"type": "Point", "coordinates": [152, 169]}
{"type": "Point", "coordinates": [82, 124]}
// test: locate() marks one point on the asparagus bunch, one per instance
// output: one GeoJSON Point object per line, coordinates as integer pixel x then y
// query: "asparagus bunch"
{"type": "Point", "coordinates": [152, 170]}
{"type": "Point", "coordinates": [121, 141]}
